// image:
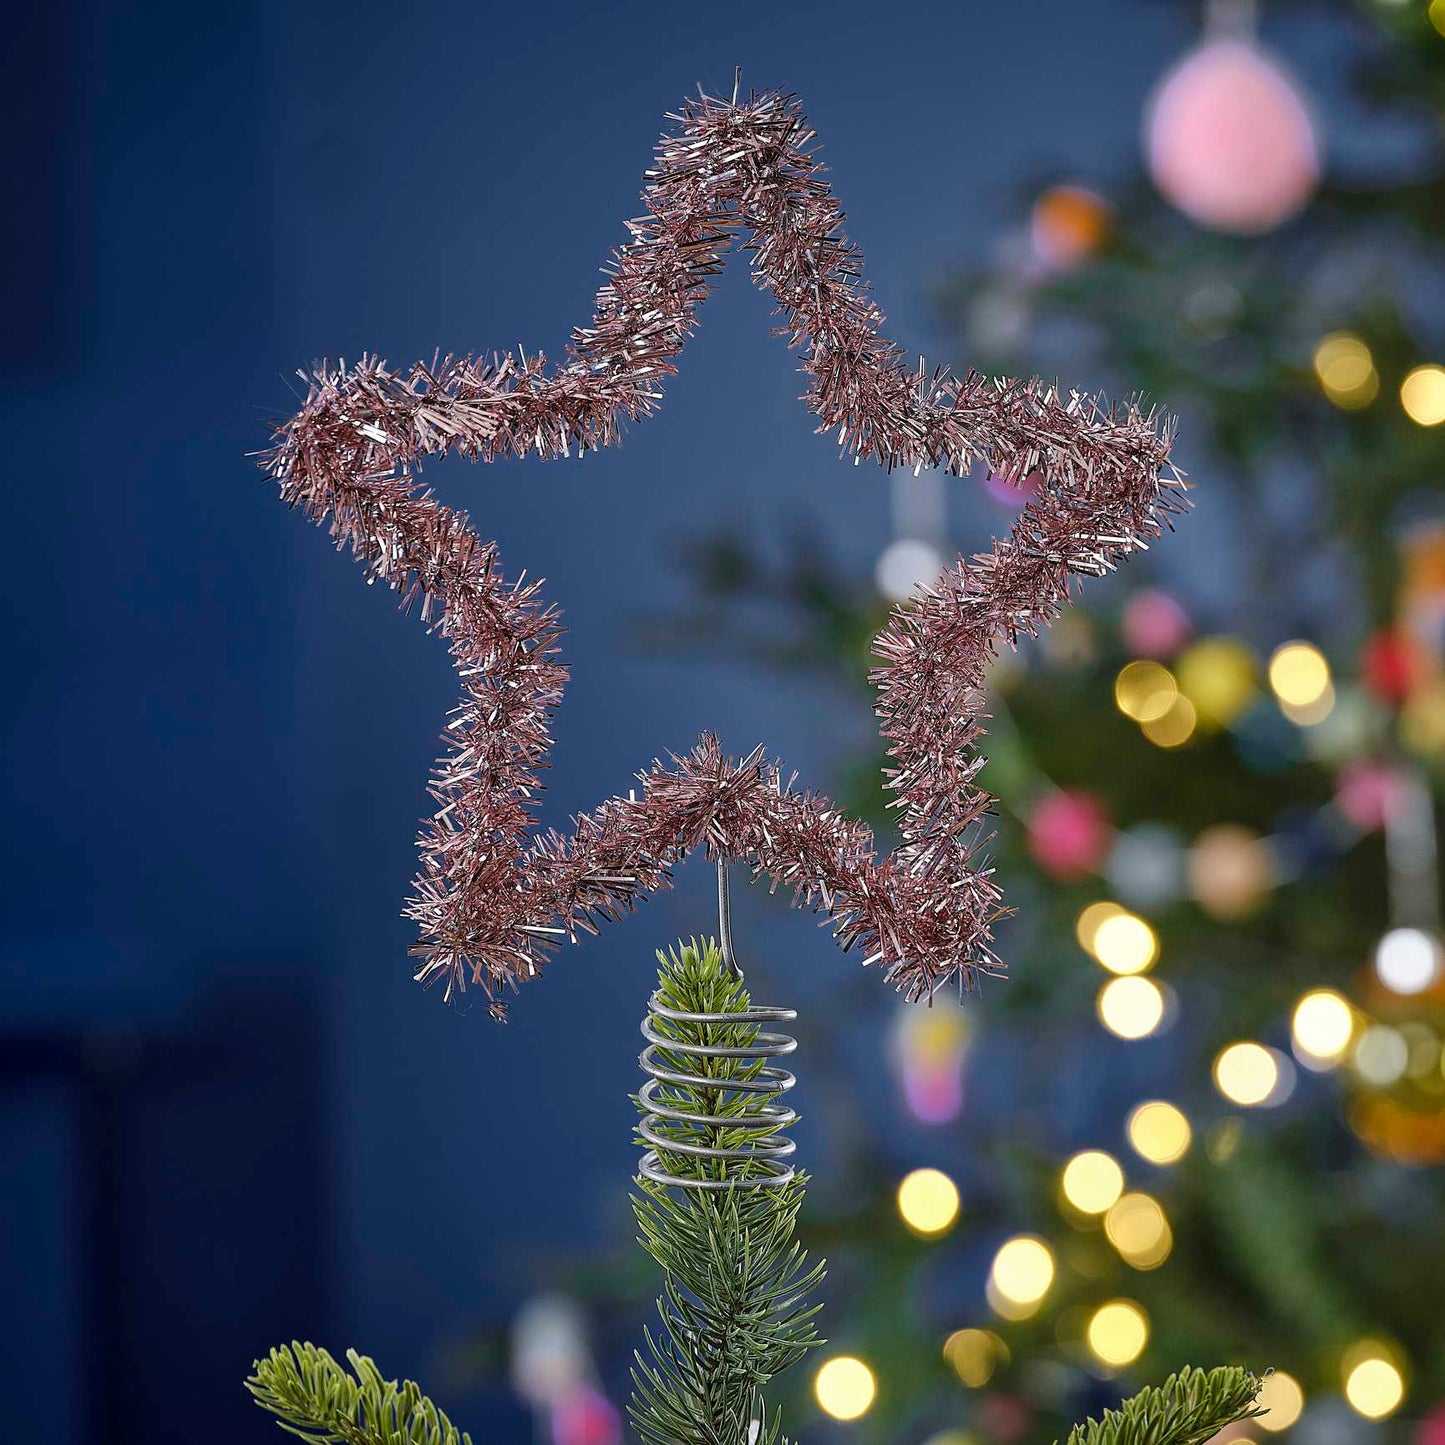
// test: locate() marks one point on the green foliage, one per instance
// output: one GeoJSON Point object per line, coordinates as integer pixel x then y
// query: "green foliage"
{"type": "Point", "coordinates": [317, 1401]}
{"type": "Point", "coordinates": [733, 1306]}
{"type": "Point", "coordinates": [1186, 1409]}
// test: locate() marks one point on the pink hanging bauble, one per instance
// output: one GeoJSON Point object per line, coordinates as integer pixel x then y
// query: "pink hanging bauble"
{"type": "Point", "coordinates": [1230, 141]}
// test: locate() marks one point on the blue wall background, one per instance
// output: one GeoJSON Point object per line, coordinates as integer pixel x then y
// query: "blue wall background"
{"type": "Point", "coordinates": [229, 1116]}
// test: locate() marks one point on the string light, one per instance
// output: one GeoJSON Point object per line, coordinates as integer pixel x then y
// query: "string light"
{"type": "Point", "coordinates": [928, 1202]}
{"type": "Point", "coordinates": [1346, 371]}
{"type": "Point", "coordinates": [1322, 1026]}
{"type": "Point", "coordinates": [1175, 728]}
{"type": "Point", "coordinates": [1145, 691]}
{"type": "Point", "coordinates": [844, 1387]}
{"type": "Point", "coordinates": [1373, 1383]}
{"type": "Point", "coordinates": [1125, 944]}
{"type": "Point", "coordinates": [1159, 1132]}
{"type": "Point", "coordinates": [1023, 1271]}
{"type": "Point", "coordinates": [1300, 677]}
{"type": "Point", "coordinates": [1117, 1333]}
{"type": "Point", "coordinates": [1217, 675]}
{"type": "Point", "coordinates": [1092, 1181]}
{"type": "Point", "coordinates": [1407, 960]}
{"type": "Point", "coordinates": [1246, 1073]}
{"type": "Point", "coordinates": [1282, 1400]}
{"type": "Point", "coordinates": [1137, 1227]}
{"type": "Point", "coordinates": [974, 1355]}
{"type": "Point", "coordinates": [1131, 1008]}
{"type": "Point", "coordinates": [1422, 394]}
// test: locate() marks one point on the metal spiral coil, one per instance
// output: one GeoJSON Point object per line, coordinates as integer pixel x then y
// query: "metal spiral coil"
{"type": "Point", "coordinates": [770, 1152]}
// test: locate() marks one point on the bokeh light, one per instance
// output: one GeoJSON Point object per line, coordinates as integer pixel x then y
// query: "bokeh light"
{"type": "Point", "coordinates": [1091, 918]}
{"type": "Point", "coordinates": [1159, 1132]}
{"type": "Point", "coordinates": [1175, 728]}
{"type": "Point", "coordinates": [1218, 675]}
{"type": "Point", "coordinates": [1092, 1181]}
{"type": "Point", "coordinates": [1299, 674]}
{"type": "Point", "coordinates": [1131, 1008]}
{"type": "Point", "coordinates": [1125, 944]}
{"type": "Point", "coordinates": [1381, 1056]}
{"type": "Point", "coordinates": [974, 1354]}
{"type": "Point", "coordinates": [1373, 1383]}
{"type": "Point", "coordinates": [1282, 1400]}
{"type": "Point", "coordinates": [1145, 691]}
{"type": "Point", "coordinates": [1117, 1333]}
{"type": "Point", "coordinates": [1023, 1270]}
{"type": "Point", "coordinates": [844, 1387]}
{"type": "Point", "coordinates": [1137, 1227]}
{"type": "Point", "coordinates": [1407, 960]}
{"type": "Point", "coordinates": [928, 1202]}
{"type": "Point", "coordinates": [1322, 1027]}
{"type": "Point", "coordinates": [1246, 1073]}
{"type": "Point", "coordinates": [1230, 870]}
{"type": "Point", "coordinates": [1346, 370]}
{"type": "Point", "coordinates": [1422, 394]}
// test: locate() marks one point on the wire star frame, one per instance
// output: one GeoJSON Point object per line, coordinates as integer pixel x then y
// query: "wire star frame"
{"type": "Point", "coordinates": [493, 898]}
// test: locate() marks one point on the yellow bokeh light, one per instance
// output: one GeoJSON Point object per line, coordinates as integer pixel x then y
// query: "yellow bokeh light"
{"type": "Point", "coordinates": [1125, 944]}
{"type": "Point", "coordinates": [974, 1355]}
{"type": "Point", "coordinates": [1322, 1027]}
{"type": "Point", "coordinates": [928, 1202]}
{"type": "Point", "coordinates": [1346, 370]}
{"type": "Point", "coordinates": [1159, 1132]}
{"type": "Point", "coordinates": [1299, 674]}
{"type": "Point", "coordinates": [1023, 1270]}
{"type": "Point", "coordinates": [1246, 1073]}
{"type": "Point", "coordinates": [1436, 12]}
{"type": "Point", "coordinates": [1282, 1400]}
{"type": "Point", "coordinates": [844, 1387]}
{"type": "Point", "coordinates": [1092, 1181]}
{"type": "Point", "coordinates": [1175, 728]}
{"type": "Point", "coordinates": [1131, 1008]}
{"type": "Point", "coordinates": [1145, 691]}
{"type": "Point", "coordinates": [1136, 1226]}
{"type": "Point", "coordinates": [1422, 394]}
{"type": "Point", "coordinates": [1091, 919]}
{"type": "Point", "coordinates": [1373, 1383]}
{"type": "Point", "coordinates": [1117, 1333]}
{"type": "Point", "coordinates": [1310, 714]}
{"type": "Point", "coordinates": [1218, 675]}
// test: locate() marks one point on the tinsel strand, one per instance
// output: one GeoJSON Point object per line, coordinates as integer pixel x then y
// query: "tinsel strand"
{"type": "Point", "coordinates": [491, 901]}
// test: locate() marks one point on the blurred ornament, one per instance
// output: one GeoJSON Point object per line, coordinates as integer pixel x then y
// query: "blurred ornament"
{"type": "Point", "coordinates": [1138, 1228]}
{"type": "Point", "coordinates": [1004, 1418]}
{"type": "Point", "coordinates": [1154, 624]}
{"type": "Point", "coordinates": [1069, 833]}
{"type": "Point", "coordinates": [1117, 1333]}
{"type": "Point", "coordinates": [1146, 865]}
{"type": "Point", "coordinates": [1381, 1056]}
{"type": "Point", "coordinates": [1092, 1181]}
{"type": "Point", "coordinates": [1322, 1026]}
{"type": "Point", "coordinates": [845, 1387]}
{"type": "Point", "coordinates": [549, 1355]}
{"type": "Point", "coordinates": [1069, 224]}
{"type": "Point", "coordinates": [1422, 394]}
{"type": "Point", "coordinates": [1230, 871]}
{"type": "Point", "coordinates": [1253, 1076]}
{"type": "Point", "coordinates": [1021, 1275]}
{"type": "Point", "coordinates": [1011, 494]}
{"type": "Point", "coordinates": [1388, 665]}
{"type": "Point", "coordinates": [1175, 728]}
{"type": "Point", "coordinates": [974, 1355]}
{"type": "Point", "coordinates": [1435, 13]}
{"type": "Point", "coordinates": [1422, 720]}
{"type": "Point", "coordinates": [1229, 140]}
{"type": "Point", "coordinates": [1366, 792]}
{"type": "Point", "coordinates": [1373, 1378]}
{"type": "Point", "coordinates": [1282, 1400]}
{"type": "Point", "coordinates": [905, 564]}
{"type": "Point", "coordinates": [1346, 370]}
{"type": "Point", "coordinates": [1299, 676]}
{"type": "Point", "coordinates": [928, 1202]}
{"type": "Point", "coordinates": [585, 1416]}
{"type": "Point", "coordinates": [929, 1048]}
{"type": "Point", "coordinates": [1219, 676]}
{"type": "Point", "coordinates": [1431, 1429]}
{"type": "Point", "coordinates": [1159, 1132]}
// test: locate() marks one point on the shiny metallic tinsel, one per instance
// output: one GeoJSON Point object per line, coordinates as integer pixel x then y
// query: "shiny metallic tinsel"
{"type": "Point", "coordinates": [492, 902]}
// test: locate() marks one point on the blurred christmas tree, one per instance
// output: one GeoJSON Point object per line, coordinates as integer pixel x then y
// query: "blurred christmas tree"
{"type": "Point", "coordinates": [1223, 1138]}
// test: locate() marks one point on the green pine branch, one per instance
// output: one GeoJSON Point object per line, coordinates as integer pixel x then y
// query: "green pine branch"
{"type": "Point", "coordinates": [1187, 1409]}
{"type": "Point", "coordinates": [733, 1308]}
{"type": "Point", "coordinates": [316, 1400]}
